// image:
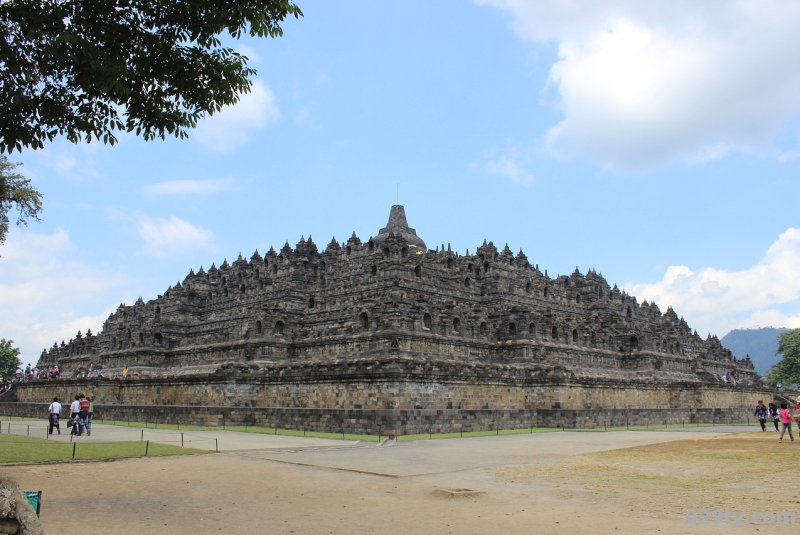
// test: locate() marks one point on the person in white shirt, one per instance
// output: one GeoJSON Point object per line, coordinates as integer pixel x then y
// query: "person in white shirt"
{"type": "Point", "coordinates": [74, 409]}
{"type": "Point", "coordinates": [54, 413]}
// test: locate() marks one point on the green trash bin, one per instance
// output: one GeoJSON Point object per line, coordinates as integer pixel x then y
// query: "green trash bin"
{"type": "Point", "coordinates": [35, 499]}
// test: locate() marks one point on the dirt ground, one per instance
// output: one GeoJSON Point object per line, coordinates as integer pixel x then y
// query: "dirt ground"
{"type": "Point", "coordinates": [551, 483]}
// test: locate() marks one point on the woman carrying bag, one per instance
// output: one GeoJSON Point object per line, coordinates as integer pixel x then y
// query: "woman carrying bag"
{"type": "Point", "coordinates": [774, 415]}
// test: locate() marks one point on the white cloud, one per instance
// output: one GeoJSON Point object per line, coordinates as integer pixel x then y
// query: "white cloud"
{"type": "Point", "coordinates": [644, 83]}
{"type": "Point", "coordinates": [163, 237]}
{"type": "Point", "coordinates": [42, 291]}
{"type": "Point", "coordinates": [231, 127]}
{"type": "Point", "coordinates": [253, 57]}
{"type": "Point", "coordinates": [511, 163]}
{"type": "Point", "coordinates": [188, 187]}
{"type": "Point", "coordinates": [716, 300]}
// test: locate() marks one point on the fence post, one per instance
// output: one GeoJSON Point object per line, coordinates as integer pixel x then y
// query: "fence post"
{"type": "Point", "coordinates": [181, 440]}
{"type": "Point", "coordinates": [146, 447]}
{"type": "Point", "coordinates": [29, 430]}
{"type": "Point", "coordinates": [216, 445]}
{"type": "Point", "coordinates": [74, 445]}
{"type": "Point", "coordinates": [142, 435]}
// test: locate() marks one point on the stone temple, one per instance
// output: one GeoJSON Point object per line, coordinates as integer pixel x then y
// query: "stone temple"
{"type": "Point", "coordinates": [388, 332]}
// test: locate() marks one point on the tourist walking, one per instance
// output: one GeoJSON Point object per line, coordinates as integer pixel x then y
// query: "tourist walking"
{"type": "Point", "coordinates": [89, 417]}
{"type": "Point", "coordinates": [786, 420]}
{"type": "Point", "coordinates": [83, 415]}
{"type": "Point", "coordinates": [74, 410]}
{"type": "Point", "coordinates": [53, 415]}
{"type": "Point", "coordinates": [761, 414]}
{"type": "Point", "coordinates": [774, 415]}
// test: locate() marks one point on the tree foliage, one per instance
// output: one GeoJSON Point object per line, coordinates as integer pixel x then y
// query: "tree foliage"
{"type": "Point", "coordinates": [9, 362]}
{"type": "Point", "coordinates": [787, 371]}
{"type": "Point", "coordinates": [16, 191]}
{"type": "Point", "coordinates": [86, 69]}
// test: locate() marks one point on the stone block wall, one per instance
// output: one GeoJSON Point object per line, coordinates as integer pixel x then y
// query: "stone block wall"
{"type": "Point", "coordinates": [405, 405]}
{"type": "Point", "coordinates": [391, 422]}
{"type": "Point", "coordinates": [401, 389]}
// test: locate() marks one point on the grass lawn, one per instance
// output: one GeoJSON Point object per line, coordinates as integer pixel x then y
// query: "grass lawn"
{"type": "Point", "coordinates": [16, 449]}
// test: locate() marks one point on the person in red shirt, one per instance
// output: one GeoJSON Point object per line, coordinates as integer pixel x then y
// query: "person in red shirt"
{"type": "Point", "coordinates": [83, 416]}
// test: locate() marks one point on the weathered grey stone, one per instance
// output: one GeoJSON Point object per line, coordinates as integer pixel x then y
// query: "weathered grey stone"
{"type": "Point", "coordinates": [389, 324]}
{"type": "Point", "coordinates": [16, 514]}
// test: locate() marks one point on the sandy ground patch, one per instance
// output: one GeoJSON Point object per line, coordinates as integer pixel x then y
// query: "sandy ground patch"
{"type": "Point", "coordinates": [529, 485]}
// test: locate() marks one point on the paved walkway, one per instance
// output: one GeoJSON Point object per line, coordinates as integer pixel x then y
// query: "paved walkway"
{"type": "Point", "coordinates": [426, 457]}
{"type": "Point", "coordinates": [205, 440]}
{"type": "Point", "coordinates": [390, 459]}
{"type": "Point", "coordinates": [294, 485]}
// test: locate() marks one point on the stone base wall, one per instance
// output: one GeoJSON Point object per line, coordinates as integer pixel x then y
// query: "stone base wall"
{"type": "Point", "coordinates": [378, 392]}
{"type": "Point", "coordinates": [389, 422]}
{"type": "Point", "coordinates": [393, 406]}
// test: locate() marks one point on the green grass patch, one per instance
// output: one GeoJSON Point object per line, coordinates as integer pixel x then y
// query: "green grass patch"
{"type": "Point", "coordinates": [651, 427]}
{"type": "Point", "coordinates": [153, 425]}
{"type": "Point", "coordinates": [17, 449]}
{"type": "Point", "coordinates": [21, 419]}
{"type": "Point", "coordinates": [492, 433]}
{"type": "Point", "coordinates": [296, 433]}
{"type": "Point", "coordinates": [362, 437]}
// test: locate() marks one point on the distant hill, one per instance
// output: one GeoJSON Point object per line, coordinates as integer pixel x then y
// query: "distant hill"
{"type": "Point", "coordinates": [760, 344]}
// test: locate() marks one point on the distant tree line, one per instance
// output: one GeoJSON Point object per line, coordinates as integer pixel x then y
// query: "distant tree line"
{"type": "Point", "coordinates": [787, 371]}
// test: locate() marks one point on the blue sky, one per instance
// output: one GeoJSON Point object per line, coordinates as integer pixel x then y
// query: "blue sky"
{"type": "Point", "coordinates": [655, 142]}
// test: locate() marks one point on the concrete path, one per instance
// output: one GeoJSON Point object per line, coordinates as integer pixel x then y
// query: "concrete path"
{"type": "Point", "coordinates": [205, 440]}
{"type": "Point", "coordinates": [392, 459]}
{"type": "Point", "coordinates": [278, 484]}
{"type": "Point", "coordinates": [426, 457]}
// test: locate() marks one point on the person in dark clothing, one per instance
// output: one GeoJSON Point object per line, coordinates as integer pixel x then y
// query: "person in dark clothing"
{"type": "Point", "coordinates": [774, 415]}
{"type": "Point", "coordinates": [761, 414]}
